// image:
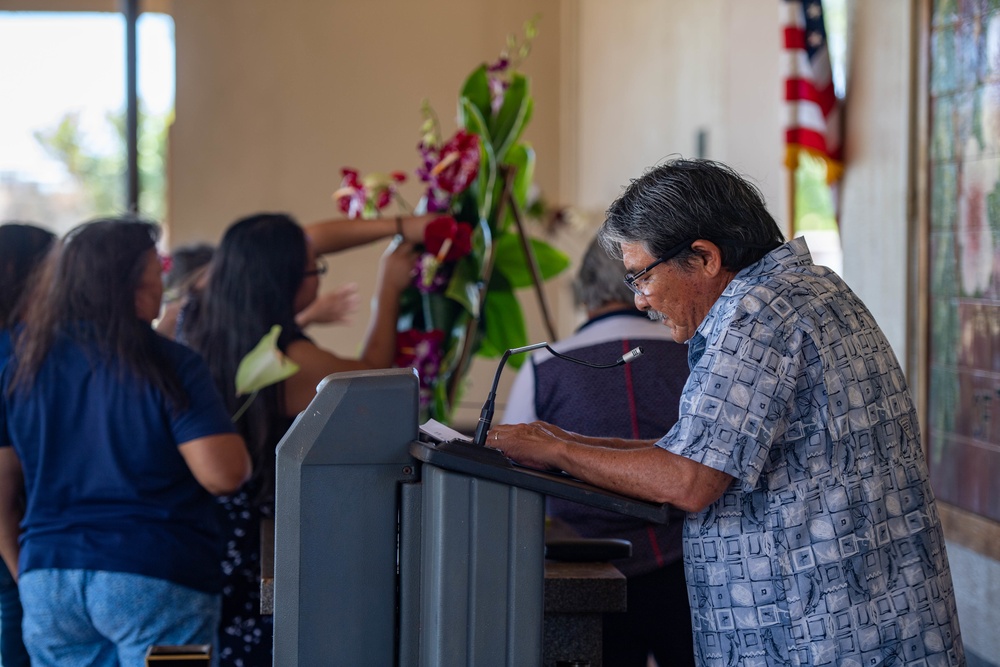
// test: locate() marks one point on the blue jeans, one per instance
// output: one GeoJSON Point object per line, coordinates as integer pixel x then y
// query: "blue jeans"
{"type": "Point", "coordinates": [12, 651]}
{"type": "Point", "coordinates": [91, 618]}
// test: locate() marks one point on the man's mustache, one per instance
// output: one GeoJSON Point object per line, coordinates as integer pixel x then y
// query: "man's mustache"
{"type": "Point", "coordinates": [655, 315]}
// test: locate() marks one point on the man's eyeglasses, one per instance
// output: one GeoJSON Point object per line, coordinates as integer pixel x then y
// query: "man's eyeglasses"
{"type": "Point", "coordinates": [631, 278]}
{"type": "Point", "coordinates": [318, 270]}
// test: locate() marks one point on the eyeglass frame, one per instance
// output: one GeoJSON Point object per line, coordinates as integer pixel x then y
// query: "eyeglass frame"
{"type": "Point", "coordinates": [631, 278]}
{"type": "Point", "coordinates": [320, 268]}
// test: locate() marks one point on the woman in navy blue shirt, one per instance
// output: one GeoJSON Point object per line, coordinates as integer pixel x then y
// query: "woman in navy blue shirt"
{"type": "Point", "coordinates": [119, 440]}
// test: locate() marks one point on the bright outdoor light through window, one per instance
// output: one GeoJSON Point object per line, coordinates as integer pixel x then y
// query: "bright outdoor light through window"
{"type": "Point", "coordinates": [62, 146]}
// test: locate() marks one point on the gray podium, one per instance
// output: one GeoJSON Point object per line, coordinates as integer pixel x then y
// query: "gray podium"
{"type": "Point", "coordinates": [391, 551]}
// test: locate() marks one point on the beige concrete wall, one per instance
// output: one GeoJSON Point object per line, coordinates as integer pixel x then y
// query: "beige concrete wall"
{"type": "Point", "coordinates": [875, 219]}
{"type": "Point", "coordinates": [274, 97]}
{"type": "Point", "coordinates": [653, 73]}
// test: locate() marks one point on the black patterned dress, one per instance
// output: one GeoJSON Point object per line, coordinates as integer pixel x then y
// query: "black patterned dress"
{"type": "Point", "coordinates": [245, 636]}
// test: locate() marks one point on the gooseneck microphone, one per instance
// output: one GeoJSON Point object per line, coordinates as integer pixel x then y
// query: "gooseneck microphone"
{"type": "Point", "coordinates": [486, 416]}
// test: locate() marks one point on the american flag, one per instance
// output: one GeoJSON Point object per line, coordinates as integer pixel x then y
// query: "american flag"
{"type": "Point", "coordinates": [812, 111]}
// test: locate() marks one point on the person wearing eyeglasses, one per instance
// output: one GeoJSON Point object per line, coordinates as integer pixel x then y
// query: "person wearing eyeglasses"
{"type": "Point", "coordinates": [812, 534]}
{"type": "Point", "coordinates": [265, 272]}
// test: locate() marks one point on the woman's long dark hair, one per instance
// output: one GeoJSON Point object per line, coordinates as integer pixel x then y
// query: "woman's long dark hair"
{"type": "Point", "coordinates": [255, 274]}
{"type": "Point", "coordinates": [22, 248]}
{"type": "Point", "coordinates": [87, 290]}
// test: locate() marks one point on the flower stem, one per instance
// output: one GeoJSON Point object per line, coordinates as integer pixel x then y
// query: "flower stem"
{"type": "Point", "coordinates": [402, 202]}
{"type": "Point", "coordinates": [425, 301]}
{"type": "Point", "coordinates": [246, 404]}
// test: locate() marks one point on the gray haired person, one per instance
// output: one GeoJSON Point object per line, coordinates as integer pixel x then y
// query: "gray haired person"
{"type": "Point", "coordinates": [812, 535]}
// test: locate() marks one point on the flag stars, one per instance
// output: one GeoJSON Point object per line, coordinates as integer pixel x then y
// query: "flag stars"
{"type": "Point", "coordinates": [815, 39]}
{"type": "Point", "coordinates": [814, 10]}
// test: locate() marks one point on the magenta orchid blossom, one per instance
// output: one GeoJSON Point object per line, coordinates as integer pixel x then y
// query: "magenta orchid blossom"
{"type": "Point", "coordinates": [365, 197]}
{"type": "Point", "coordinates": [423, 351]}
{"type": "Point", "coordinates": [448, 170]}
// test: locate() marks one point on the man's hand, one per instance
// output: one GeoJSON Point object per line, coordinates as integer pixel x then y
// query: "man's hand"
{"type": "Point", "coordinates": [633, 468]}
{"type": "Point", "coordinates": [535, 445]}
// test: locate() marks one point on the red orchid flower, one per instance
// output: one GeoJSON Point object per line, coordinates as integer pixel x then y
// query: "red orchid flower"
{"type": "Point", "coordinates": [366, 196]}
{"type": "Point", "coordinates": [350, 196]}
{"type": "Point", "coordinates": [458, 163]}
{"type": "Point", "coordinates": [419, 349]}
{"type": "Point", "coordinates": [447, 231]}
{"type": "Point", "coordinates": [384, 188]}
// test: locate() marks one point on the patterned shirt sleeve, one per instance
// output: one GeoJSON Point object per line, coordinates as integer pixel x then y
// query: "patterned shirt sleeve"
{"type": "Point", "coordinates": [740, 395]}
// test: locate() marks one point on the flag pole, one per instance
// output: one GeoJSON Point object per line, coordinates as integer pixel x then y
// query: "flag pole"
{"type": "Point", "coordinates": [791, 165]}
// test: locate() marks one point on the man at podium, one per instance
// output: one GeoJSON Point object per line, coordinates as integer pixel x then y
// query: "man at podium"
{"type": "Point", "coordinates": [812, 536]}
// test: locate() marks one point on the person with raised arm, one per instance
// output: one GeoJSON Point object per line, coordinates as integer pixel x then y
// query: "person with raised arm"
{"type": "Point", "coordinates": [265, 272]}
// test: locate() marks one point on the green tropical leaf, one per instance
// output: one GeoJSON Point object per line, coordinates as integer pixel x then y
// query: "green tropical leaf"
{"type": "Point", "coordinates": [513, 116]}
{"type": "Point", "coordinates": [486, 182]}
{"type": "Point", "coordinates": [474, 121]}
{"type": "Point", "coordinates": [522, 157]}
{"type": "Point", "coordinates": [499, 282]}
{"type": "Point", "coordinates": [496, 223]}
{"type": "Point", "coordinates": [464, 285]}
{"type": "Point", "coordinates": [440, 312]}
{"type": "Point", "coordinates": [488, 350]}
{"type": "Point", "coordinates": [510, 260]}
{"type": "Point", "coordinates": [442, 411]}
{"type": "Point", "coordinates": [482, 245]}
{"type": "Point", "coordinates": [504, 323]}
{"type": "Point", "coordinates": [264, 365]}
{"type": "Point", "coordinates": [457, 339]}
{"type": "Point", "coordinates": [476, 90]}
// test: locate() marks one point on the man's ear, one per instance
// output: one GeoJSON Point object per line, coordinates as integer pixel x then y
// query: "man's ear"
{"type": "Point", "coordinates": [709, 257]}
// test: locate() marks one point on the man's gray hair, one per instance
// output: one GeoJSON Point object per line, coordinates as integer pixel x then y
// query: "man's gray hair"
{"type": "Point", "coordinates": [599, 280]}
{"type": "Point", "coordinates": [685, 200]}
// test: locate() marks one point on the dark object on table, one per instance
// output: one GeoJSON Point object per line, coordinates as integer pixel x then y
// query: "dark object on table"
{"type": "Point", "coordinates": [584, 550]}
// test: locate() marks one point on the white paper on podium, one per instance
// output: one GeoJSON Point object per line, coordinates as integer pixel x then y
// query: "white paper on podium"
{"type": "Point", "coordinates": [438, 432]}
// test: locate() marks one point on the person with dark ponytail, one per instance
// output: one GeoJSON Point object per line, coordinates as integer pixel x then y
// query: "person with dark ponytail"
{"type": "Point", "coordinates": [264, 272]}
{"type": "Point", "coordinates": [22, 248]}
{"type": "Point", "coordinates": [119, 440]}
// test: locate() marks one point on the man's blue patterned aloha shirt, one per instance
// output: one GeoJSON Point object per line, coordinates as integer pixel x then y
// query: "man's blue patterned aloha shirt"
{"type": "Point", "coordinates": [827, 549]}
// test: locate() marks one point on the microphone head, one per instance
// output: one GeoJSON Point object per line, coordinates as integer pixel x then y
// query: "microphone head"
{"type": "Point", "coordinates": [632, 355]}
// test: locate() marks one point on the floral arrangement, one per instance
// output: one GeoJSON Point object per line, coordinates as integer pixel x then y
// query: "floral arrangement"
{"type": "Point", "coordinates": [462, 301]}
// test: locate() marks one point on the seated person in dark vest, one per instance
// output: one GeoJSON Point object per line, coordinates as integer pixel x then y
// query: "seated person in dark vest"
{"type": "Point", "coordinates": [638, 400]}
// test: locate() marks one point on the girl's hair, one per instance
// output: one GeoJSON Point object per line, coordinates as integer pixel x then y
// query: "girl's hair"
{"type": "Point", "coordinates": [253, 279]}
{"type": "Point", "coordinates": [187, 263]}
{"type": "Point", "coordinates": [22, 248]}
{"type": "Point", "coordinates": [87, 290]}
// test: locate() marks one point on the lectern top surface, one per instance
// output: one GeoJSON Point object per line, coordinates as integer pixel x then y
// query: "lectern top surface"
{"type": "Point", "coordinates": [465, 457]}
